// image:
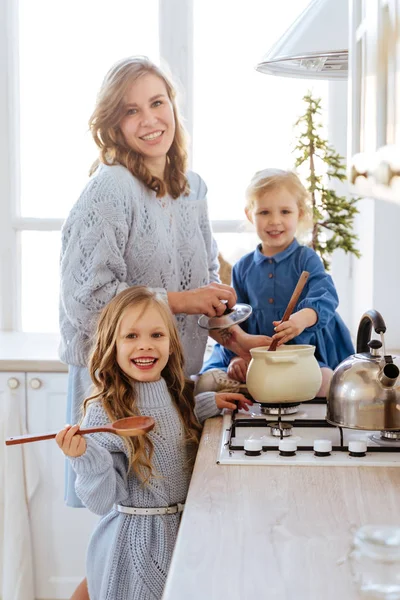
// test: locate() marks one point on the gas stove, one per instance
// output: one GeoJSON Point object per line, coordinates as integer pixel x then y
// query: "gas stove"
{"type": "Point", "coordinates": [298, 434]}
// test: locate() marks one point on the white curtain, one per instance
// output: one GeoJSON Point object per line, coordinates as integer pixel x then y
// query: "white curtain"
{"type": "Point", "coordinates": [19, 479]}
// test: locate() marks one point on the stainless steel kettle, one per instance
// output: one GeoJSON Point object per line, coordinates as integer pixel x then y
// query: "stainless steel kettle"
{"type": "Point", "coordinates": [365, 390]}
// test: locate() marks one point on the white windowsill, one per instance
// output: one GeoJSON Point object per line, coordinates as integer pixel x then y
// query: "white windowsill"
{"type": "Point", "coordinates": [30, 352]}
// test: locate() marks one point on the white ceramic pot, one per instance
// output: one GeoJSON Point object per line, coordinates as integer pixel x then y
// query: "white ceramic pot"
{"type": "Point", "coordinates": [290, 374]}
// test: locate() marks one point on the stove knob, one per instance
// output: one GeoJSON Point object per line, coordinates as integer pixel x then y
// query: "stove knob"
{"type": "Point", "coordinates": [287, 447]}
{"type": "Point", "coordinates": [252, 447]}
{"type": "Point", "coordinates": [357, 447]}
{"type": "Point", "coordinates": [322, 447]}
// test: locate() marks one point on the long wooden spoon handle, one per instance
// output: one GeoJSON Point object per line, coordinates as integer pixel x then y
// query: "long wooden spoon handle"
{"type": "Point", "coordinates": [292, 303]}
{"type": "Point", "coordinates": [24, 439]}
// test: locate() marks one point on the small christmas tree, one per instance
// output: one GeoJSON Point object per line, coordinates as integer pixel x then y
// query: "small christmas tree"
{"type": "Point", "coordinates": [333, 215]}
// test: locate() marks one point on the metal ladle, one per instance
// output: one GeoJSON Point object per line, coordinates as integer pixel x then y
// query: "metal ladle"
{"type": "Point", "coordinates": [128, 427]}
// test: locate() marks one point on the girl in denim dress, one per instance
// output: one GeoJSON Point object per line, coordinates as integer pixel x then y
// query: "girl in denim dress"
{"type": "Point", "coordinates": [266, 278]}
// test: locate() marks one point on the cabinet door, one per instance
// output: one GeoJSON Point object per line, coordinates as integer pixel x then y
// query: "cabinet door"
{"type": "Point", "coordinates": [60, 534]}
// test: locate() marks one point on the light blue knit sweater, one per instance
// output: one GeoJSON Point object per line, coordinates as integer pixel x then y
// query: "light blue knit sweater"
{"type": "Point", "coordinates": [119, 234]}
{"type": "Point", "coordinates": [129, 555]}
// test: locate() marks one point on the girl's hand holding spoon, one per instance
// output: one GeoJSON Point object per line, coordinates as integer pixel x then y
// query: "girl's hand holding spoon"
{"type": "Point", "coordinates": [70, 442]}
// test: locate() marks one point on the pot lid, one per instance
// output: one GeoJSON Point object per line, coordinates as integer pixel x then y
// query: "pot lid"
{"type": "Point", "coordinates": [232, 316]}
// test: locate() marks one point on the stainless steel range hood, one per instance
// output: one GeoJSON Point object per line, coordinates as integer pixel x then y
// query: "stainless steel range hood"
{"type": "Point", "coordinates": [315, 46]}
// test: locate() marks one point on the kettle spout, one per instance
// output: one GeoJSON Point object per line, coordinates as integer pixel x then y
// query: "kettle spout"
{"type": "Point", "coordinates": [388, 375]}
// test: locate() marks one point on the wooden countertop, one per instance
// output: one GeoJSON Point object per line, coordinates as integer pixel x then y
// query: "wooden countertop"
{"type": "Point", "coordinates": [274, 532]}
{"type": "Point", "coordinates": [33, 352]}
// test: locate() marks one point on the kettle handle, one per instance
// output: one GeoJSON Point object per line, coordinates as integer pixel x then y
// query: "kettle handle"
{"type": "Point", "coordinates": [370, 318]}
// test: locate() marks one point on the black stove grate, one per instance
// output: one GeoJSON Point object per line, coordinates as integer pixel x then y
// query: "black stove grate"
{"type": "Point", "coordinates": [267, 420]}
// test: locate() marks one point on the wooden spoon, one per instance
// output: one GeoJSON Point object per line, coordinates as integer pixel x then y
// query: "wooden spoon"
{"type": "Point", "coordinates": [292, 303]}
{"type": "Point", "coordinates": [129, 427]}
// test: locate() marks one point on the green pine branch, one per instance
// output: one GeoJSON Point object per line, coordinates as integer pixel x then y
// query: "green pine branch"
{"type": "Point", "coordinates": [333, 215]}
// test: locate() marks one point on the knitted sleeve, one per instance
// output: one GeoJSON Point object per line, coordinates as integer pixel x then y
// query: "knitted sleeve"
{"type": "Point", "coordinates": [96, 416]}
{"type": "Point", "coordinates": [102, 469]}
{"type": "Point", "coordinates": [205, 406]}
{"type": "Point", "coordinates": [199, 187]}
{"type": "Point", "coordinates": [94, 237]}
{"type": "Point", "coordinates": [101, 477]}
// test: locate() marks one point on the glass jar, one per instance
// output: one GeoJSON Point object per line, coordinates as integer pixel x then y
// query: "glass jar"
{"type": "Point", "coordinates": [375, 562]}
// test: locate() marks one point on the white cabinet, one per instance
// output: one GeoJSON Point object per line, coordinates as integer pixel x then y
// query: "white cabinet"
{"type": "Point", "coordinates": [59, 534]}
{"type": "Point", "coordinates": [374, 79]}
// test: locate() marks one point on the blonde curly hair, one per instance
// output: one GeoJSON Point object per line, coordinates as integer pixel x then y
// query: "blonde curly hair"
{"type": "Point", "coordinates": [105, 122]}
{"type": "Point", "coordinates": [267, 180]}
{"type": "Point", "coordinates": [116, 391]}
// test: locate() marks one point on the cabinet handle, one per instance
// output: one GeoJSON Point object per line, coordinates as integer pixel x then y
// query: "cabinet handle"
{"type": "Point", "coordinates": [387, 169]}
{"type": "Point", "coordinates": [359, 166]}
{"type": "Point", "coordinates": [13, 383]}
{"type": "Point", "coordinates": [35, 383]}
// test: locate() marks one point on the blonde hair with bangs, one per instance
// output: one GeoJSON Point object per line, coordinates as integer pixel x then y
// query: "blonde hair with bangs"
{"type": "Point", "coordinates": [105, 122]}
{"type": "Point", "coordinates": [268, 180]}
{"type": "Point", "coordinates": [116, 391]}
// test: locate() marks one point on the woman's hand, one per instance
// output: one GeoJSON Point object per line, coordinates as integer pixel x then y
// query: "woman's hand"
{"type": "Point", "coordinates": [237, 368]}
{"type": "Point", "coordinates": [296, 324]}
{"type": "Point", "coordinates": [210, 300]}
{"type": "Point", "coordinates": [71, 443]}
{"type": "Point", "coordinates": [230, 400]}
{"type": "Point", "coordinates": [238, 341]}
{"type": "Point", "coordinates": [247, 341]}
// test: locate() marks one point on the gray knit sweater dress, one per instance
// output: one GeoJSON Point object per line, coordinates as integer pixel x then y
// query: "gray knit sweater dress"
{"type": "Point", "coordinates": [129, 555]}
{"type": "Point", "coordinates": [119, 234]}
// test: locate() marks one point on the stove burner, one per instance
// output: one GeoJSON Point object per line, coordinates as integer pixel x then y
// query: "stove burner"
{"type": "Point", "coordinates": [390, 435]}
{"type": "Point", "coordinates": [276, 409]}
{"type": "Point", "coordinates": [380, 441]}
{"type": "Point", "coordinates": [280, 429]}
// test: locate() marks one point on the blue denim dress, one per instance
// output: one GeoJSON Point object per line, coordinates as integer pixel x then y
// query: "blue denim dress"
{"type": "Point", "coordinates": [267, 283]}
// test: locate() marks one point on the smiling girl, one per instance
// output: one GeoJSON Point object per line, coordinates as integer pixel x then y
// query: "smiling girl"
{"type": "Point", "coordinates": [276, 203]}
{"type": "Point", "coordinates": [138, 486]}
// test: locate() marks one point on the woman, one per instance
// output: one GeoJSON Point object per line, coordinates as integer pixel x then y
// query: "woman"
{"type": "Point", "coordinates": [142, 219]}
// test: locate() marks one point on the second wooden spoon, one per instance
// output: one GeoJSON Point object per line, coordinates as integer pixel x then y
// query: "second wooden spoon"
{"type": "Point", "coordinates": [292, 303]}
{"type": "Point", "coordinates": [128, 427]}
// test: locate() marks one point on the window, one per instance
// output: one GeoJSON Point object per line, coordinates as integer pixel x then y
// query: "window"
{"type": "Point", "coordinates": [61, 69]}
{"type": "Point", "coordinates": [243, 120]}
{"type": "Point", "coordinates": [65, 50]}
